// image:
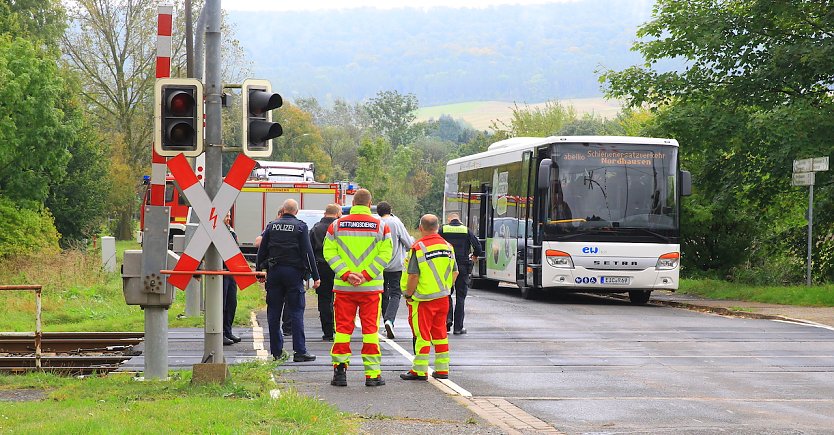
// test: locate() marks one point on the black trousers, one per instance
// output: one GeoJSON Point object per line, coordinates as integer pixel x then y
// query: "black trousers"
{"type": "Point", "coordinates": [325, 298]}
{"type": "Point", "coordinates": [229, 304]}
{"type": "Point", "coordinates": [285, 293]}
{"type": "Point", "coordinates": [455, 316]}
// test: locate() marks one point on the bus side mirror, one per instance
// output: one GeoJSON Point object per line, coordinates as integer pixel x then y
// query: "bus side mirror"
{"type": "Point", "coordinates": [543, 181]}
{"type": "Point", "coordinates": [686, 183]}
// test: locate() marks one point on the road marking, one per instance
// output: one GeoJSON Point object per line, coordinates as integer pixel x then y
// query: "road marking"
{"type": "Point", "coordinates": [496, 411]}
{"type": "Point", "coordinates": [258, 338]}
{"type": "Point", "coordinates": [261, 353]}
{"type": "Point", "coordinates": [665, 398]}
{"type": "Point", "coordinates": [804, 323]}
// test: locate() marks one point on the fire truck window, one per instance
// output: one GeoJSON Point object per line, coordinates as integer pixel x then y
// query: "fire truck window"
{"type": "Point", "coordinates": [169, 192]}
{"type": "Point", "coordinates": [181, 199]}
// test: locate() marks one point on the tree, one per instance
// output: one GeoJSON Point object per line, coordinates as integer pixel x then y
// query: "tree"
{"type": "Point", "coordinates": [41, 20]}
{"type": "Point", "coordinates": [112, 46]}
{"type": "Point", "coordinates": [760, 52]}
{"type": "Point", "coordinates": [527, 121]}
{"type": "Point", "coordinates": [392, 114]}
{"type": "Point", "coordinates": [33, 130]}
{"type": "Point", "coordinates": [301, 141]}
{"type": "Point", "coordinates": [754, 95]}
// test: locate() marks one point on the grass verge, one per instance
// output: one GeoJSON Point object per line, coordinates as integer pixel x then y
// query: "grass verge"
{"type": "Point", "coordinates": [814, 296]}
{"type": "Point", "coordinates": [119, 404]}
{"type": "Point", "coordinates": [79, 296]}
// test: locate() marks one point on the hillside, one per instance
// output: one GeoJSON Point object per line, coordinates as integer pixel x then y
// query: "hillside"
{"type": "Point", "coordinates": [443, 55]}
{"type": "Point", "coordinates": [480, 114]}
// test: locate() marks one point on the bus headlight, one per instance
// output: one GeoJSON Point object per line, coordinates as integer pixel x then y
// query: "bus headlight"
{"type": "Point", "coordinates": [668, 261]}
{"type": "Point", "coordinates": [559, 259]}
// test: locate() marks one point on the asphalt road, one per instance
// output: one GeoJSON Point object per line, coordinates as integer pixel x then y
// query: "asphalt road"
{"type": "Point", "coordinates": [586, 364]}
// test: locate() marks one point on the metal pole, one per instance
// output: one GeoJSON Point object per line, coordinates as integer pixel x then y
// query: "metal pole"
{"type": "Point", "coordinates": [810, 230]}
{"type": "Point", "coordinates": [199, 47]}
{"type": "Point", "coordinates": [156, 343]}
{"type": "Point", "coordinates": [38, 329]}
{"type": "Point", "coordinates": [194, 291]}
{"type": "Point", "coordinates": [189, 41]}
{"type": "Point", "coordinates": [213, 348]}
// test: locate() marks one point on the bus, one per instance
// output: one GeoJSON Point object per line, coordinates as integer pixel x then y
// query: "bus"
{"type": "Point", "coordinates": [591, 214]}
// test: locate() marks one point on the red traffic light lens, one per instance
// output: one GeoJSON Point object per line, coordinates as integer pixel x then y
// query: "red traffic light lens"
{"type": "Point", "coordinates": [181, 104]}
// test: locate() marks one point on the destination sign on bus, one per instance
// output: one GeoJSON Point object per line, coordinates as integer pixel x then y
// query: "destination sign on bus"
{"type": "Point", "coordinates": [613, 157]}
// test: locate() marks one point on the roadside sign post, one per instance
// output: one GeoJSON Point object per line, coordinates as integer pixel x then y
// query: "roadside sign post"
{"type": "Point", "coordinates": [804, 174]}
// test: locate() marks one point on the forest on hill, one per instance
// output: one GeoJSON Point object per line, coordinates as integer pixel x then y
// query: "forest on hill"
{"type": "Point", "coordinates": [517, 53]}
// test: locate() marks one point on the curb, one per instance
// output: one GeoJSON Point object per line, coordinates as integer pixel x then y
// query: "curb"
{"type": "Point", "coordinates": [725, 311]}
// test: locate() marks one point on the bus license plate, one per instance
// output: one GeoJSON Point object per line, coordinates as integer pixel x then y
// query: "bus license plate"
{"type": "Point", "coordinates": [615, 280]}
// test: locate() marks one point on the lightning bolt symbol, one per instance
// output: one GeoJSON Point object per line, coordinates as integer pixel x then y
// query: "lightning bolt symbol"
{"type": "Point", "coordinates": [213, 218]}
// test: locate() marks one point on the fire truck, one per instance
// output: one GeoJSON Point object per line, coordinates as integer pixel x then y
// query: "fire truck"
{"type": "Point", "coordinates": [259, 201]}
{"type": "Point", "coordinates": [257, 205]}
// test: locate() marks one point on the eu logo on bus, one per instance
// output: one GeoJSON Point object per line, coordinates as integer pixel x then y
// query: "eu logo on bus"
{"type": "Point", "coordinates": [590, 250]}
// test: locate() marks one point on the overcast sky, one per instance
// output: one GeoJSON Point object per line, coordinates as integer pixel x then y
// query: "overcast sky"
{"type": "Point", "coordinates": [285, 5]}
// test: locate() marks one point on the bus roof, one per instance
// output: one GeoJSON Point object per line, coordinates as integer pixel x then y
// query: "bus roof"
{"type": "Point", "coordinates": [518, 145]}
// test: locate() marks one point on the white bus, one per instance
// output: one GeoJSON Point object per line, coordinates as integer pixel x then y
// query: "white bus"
{"type": "Point", "coordinates": [595, 214]}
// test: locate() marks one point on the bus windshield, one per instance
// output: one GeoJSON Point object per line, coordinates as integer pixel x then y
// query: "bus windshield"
{"type": "Point", "coordinates": [612, 192]}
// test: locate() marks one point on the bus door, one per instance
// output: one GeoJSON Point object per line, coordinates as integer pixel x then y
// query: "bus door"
{"type": "Point", "coordinates": [526, 258]}
{"type": "Point", "coordinates": [485, 223]}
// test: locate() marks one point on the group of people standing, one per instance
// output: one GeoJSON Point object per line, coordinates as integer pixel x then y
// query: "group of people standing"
{"type": "Point", "coordinates": [363, 264]}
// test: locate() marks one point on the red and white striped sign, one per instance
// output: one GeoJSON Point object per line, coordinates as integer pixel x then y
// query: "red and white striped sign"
{"type": "Point", "coordinates": [211, 214]}
{"type": "Point", "coordinates": [165, 21]}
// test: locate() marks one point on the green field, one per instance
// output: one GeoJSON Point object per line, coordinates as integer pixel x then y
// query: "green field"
{"type": "Point", "coordinates": [481, 114]}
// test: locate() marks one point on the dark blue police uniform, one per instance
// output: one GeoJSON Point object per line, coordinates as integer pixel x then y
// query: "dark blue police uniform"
{"type": "Point", "coordinates": [286, 252]}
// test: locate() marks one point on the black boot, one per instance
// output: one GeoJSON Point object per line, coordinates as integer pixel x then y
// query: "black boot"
{"type": "Point", "coordinates": [374, 382]}
{"type": "Point", "coordinates": [339, 375]}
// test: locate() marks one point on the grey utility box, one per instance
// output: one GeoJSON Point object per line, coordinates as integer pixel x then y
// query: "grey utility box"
{"type": "Point", "coordinates": [136, 289]}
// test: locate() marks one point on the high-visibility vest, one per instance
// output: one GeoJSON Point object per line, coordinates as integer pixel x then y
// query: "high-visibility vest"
{"type": "Point", "coordinates": [358, 243]}
{"type": "Point", "coordinates": [436, 259]}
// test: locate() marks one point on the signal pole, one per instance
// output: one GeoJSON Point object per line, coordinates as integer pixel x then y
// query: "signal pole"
{"type": "Point", "coordinates": [213, 344]}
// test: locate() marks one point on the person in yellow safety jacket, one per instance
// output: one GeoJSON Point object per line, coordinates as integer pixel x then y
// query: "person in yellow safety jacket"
{"type": "Point", "coordinates": [357, 247]}
{"type": "Point", "coordinates": [431, 271]}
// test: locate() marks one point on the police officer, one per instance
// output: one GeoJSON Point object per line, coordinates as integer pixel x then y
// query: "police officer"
{"type": "Point", "coordinates": [467, 248]}
{"type": "Point", "coordinates": [286, 252]}
{"type": "Point", "coordinates": [431, 269]}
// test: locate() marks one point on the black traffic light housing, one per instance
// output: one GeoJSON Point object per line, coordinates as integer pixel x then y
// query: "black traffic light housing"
{"type": "Point", "coordinates": [178, 117]}
{"type": "Point", "coordinates": [256, 123]}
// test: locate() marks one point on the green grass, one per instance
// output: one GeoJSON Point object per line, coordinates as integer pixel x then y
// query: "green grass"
{"type": "Point", "coordinates": [814, 296]}
{"type": "Point", "coordinates": [118, 403]}
{"type": "Point", "coordinates": [79, 296]}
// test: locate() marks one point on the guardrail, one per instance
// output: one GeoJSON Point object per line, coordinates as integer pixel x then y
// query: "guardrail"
{"type": "Point", "coordinates": [38, 332]}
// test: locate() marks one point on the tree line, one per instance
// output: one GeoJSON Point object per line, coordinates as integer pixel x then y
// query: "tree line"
{"type": "Point", "coordinates": [756, 93]}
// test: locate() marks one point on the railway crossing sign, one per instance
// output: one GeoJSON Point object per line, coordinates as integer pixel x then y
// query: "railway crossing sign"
{"type": "Point", "coordinates": [210, 212]}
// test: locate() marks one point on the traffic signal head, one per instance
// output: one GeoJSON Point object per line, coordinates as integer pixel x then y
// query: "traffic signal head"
{"type": "Point", "coordinates": [256, 123]}
{"type": "Point", "coordinates": [178, 117]}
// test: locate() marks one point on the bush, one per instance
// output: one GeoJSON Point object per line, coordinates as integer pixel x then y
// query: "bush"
{"type": "Point", "coordinates": [25, 231]}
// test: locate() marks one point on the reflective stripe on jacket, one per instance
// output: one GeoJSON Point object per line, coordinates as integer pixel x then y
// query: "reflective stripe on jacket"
{"type": "Point", "coordinates": [436, 262]}
{"type": "Point", "coordinates": [358, 243]}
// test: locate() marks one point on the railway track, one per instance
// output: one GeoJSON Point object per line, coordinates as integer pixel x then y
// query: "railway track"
{"type": "Point", "coordinates": [70, 353]}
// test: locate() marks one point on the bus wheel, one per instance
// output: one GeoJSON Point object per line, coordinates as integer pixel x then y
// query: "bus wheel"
{"type": "Point", "coordinates": [528, 292]}
{"type": "Point", "coordinates": [639, 297]}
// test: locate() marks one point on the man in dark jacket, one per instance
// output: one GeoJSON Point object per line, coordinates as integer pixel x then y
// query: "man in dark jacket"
{"type": "Point", "coordinates": [467, 248]}
{"type": "Point", "coordinates": [325, 290]}
{"type": "Point", "coordinates": [286, 253]}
